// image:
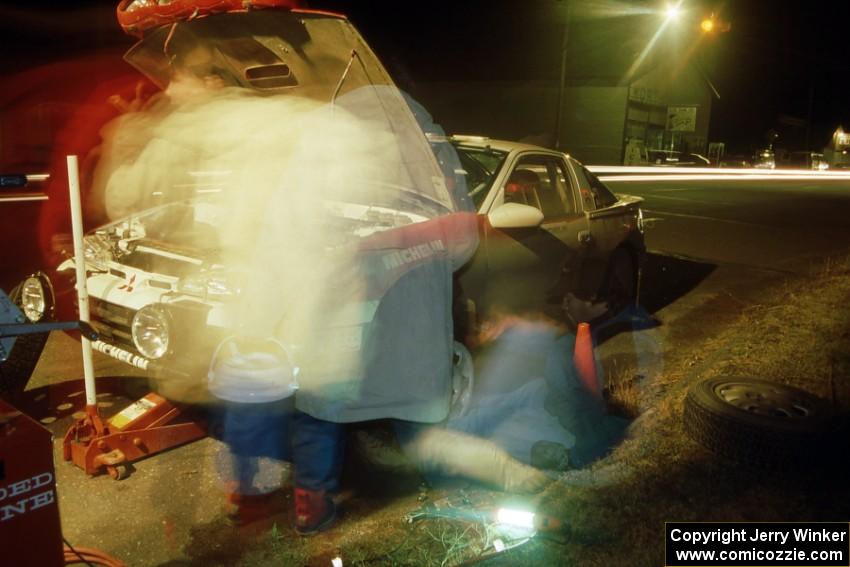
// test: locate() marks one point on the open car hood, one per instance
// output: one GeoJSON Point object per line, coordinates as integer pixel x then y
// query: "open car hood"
{"type": "Point", "coordinates": [314, 56]}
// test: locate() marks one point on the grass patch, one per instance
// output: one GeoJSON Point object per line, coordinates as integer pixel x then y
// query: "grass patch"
{"type": "Point", "coordinates": [796, 331]}
{"type": "Point", "coordinates": [624, 390]}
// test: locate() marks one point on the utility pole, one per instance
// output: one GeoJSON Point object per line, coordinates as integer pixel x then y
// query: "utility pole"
{"type": "Point", "coordinates": [810, 59]}
{"type": "Point", "coordinates": [809, 113]}
{"type": "Point", "coordinates": [563, 76]}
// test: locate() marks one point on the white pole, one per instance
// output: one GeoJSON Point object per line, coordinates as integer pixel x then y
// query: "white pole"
{"type": "Point", "coordinates": [80, 261]}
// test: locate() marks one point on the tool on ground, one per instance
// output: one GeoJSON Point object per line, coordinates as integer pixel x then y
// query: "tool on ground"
{"type": "Point", "coordinates": [480, 507]}
{"type": "Point", "coordinates": [459, 506]}
{"type": "Point", "coordinates": [505, 528]}
{"type": "Point", "coordinates": [15, 329]}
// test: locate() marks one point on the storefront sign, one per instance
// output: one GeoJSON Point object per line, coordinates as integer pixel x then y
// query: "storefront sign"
{"type": "Point", "coordinates": [681, 118]}
{"type": "Point", "coordinates": [649, 95]}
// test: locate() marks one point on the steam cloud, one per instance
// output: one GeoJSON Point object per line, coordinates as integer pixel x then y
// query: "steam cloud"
{"type": "Point", "coordinates": [268, 179]}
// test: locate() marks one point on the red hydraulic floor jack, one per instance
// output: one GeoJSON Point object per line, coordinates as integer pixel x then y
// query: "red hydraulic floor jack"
{"type": "Point", "coordinates": [145, 427]}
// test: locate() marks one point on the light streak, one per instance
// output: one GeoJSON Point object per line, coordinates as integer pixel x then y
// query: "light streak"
{"type": "Point", "coordinates": [22, 198]}
{"type": "Point", "coordinates": [644, 173]}
{"type": "Point", "coordinates": [719, 177]}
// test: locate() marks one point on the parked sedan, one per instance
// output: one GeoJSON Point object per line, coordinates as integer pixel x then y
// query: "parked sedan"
{"type": "Point", "coordinates": [669, 158]}
{"type": "Point", "coordinates": [547, 227]}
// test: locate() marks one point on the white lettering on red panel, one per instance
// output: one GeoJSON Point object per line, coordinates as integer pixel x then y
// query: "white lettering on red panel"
{"type": "Point", "coordinates": [413, 254]}
{"type": "Point", "coordinates": [30, 501]}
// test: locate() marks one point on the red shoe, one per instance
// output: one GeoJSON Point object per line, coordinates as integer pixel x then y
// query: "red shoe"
{"type": "Point", "coordinates": [315, 511]}
{"type": "Point", "coordinates": [244, 509]}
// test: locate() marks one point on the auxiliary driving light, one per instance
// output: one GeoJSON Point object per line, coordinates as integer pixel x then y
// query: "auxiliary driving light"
{"type": "Point", "coordinates": [151, 330]}
{"type": "Point", "coordinates": [33, 302]}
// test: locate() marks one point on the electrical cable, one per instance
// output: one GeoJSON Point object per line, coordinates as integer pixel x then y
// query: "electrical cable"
{"type": "Point", "coordinates": [70, 548]}
{"type": "Point", "coordinates": [89, 556]}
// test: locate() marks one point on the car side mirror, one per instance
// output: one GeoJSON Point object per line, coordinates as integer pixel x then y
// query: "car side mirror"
{"type": "Point", "coordinates": [515, 215]}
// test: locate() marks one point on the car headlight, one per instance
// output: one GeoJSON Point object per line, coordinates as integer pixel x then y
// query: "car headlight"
{"type": "Point", "coordinates": [151, 331]}
{"type": "Point", "coordinates": [214, 284]}
{"type": "Point", "coordinates": [97, 251]}
{"type": "Point", "coordinates": [33, 299]}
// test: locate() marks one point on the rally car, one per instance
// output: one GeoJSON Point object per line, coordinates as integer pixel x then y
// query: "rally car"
{"type": "Point", "coordinates": [162, 299]}
{"type": "Point", "coordinates": [280, 134]}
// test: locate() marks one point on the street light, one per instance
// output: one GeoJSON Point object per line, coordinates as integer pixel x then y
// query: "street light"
{"type": "Point", "coordinates": [672, 12]}
{"type": "Point", "coordinates": [714, 24]}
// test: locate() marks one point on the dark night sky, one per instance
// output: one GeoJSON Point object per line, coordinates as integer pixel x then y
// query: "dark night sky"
{"type": "Point", "coordinates": [775, 57]}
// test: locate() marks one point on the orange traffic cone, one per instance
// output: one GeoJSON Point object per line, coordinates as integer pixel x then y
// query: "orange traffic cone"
{"type": "Point", "coordinates": [584, 360]}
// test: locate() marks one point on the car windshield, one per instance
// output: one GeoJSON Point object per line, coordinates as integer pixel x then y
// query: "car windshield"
{"type": "Point", "coordinates": [480, 166]}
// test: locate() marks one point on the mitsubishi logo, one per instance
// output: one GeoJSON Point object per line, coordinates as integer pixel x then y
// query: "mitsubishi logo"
{"type": "Point", "coordinates": [128, 287]}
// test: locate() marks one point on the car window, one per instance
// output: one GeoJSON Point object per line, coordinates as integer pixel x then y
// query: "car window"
{"type": "Point", "coordinates": [594, 193]}
{"type": "Point", "coordinates": [479, 168]}
{"type": "Point", "coordinates": [541, 182]}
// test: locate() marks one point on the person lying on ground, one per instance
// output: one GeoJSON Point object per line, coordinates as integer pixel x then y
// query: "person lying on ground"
{"type": "Point", "coordinates": [517, 424]}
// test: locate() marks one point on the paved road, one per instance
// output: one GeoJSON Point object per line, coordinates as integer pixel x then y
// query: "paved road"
{"type": "Point", "coordinates": [715, 246]}
{"type": "Point", "coordinates": [776, 224]}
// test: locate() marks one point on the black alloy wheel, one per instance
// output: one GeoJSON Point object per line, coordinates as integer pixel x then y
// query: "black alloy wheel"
{"type": "Point", "coordinates": [758, 422]}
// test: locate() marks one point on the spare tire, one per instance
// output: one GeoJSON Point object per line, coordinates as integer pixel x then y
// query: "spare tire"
{"type": "Point", "coordinates": [758, 422]}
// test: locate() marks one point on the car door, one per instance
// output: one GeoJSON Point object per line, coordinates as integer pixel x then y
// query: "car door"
{"type": "Point", "coordinates": [526, 267]}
